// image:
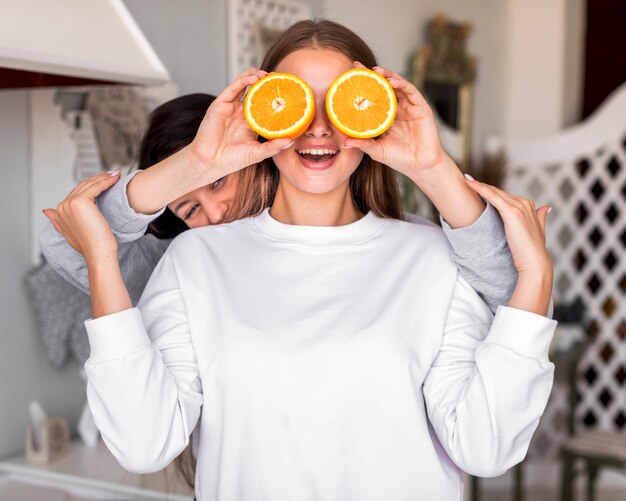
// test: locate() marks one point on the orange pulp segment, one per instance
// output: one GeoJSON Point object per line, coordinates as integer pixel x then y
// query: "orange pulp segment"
{"type": "Point", "coordinates": [361, 103]}
{"type": "Point", "coordinates": [279, 105]}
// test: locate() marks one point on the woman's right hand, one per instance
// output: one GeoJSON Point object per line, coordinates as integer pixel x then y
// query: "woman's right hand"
{"type": "Point", "coordinates": [225, 142]}
{"type": "Point", "coordinates": [80, 221]}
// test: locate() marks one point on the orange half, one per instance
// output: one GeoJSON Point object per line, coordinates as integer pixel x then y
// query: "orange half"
{"type": "Point", "coordinates": [361, 103]}
{"type": "Point", "coordinates": [279, 105]}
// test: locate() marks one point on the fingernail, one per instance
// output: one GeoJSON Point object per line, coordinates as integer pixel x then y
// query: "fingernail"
{"type": "Point", "coordinates": [287, 146]}
{"type": "Point", "coordinates": [549, 210]}
{"type": "Point", "coordinates": [113, 172]}
{"type": "Point", "coordinates": [469, 178]}
{"type": "Point", "coordinates": [346, 147]}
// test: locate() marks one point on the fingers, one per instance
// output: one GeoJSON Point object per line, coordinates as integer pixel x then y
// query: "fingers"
{"type": "Point", "coordinates": [268, 149]}
{"type": "Point", "coordinates": [500, 199]}
{"type": "Point", "coordinates": [370, 147]}
{"type": "Point", "coordinates": [234, 92]}
{"type": "Point", "coordinates": [51, 214]}
{"type": "Point", "coordinates": [398, 83]}
{"type": "Point", "coordinates": [406, 89]}
{"type": "Point", "coordinates": [108, 178]}
{"type": "Point", "coordinates": [542, 216]}
{"type": "Point", "coordinates": [84, 192]}
{"type": "Point", "coordinates": [97, 184]}
{"type": "Point", "coordinates": [504, 201]}
{"type": "Point", "coordinates": [487, 192]}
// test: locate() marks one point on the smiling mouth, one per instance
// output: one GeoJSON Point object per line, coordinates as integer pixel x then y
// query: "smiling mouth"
{"type": "Point", "coordinates": [317, 155]}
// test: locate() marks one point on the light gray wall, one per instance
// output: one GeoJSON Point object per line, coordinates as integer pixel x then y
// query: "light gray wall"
{"type": "Point", "coordinates": [190, 38]}
{"type": "Point", "coordinates": [24, 373]}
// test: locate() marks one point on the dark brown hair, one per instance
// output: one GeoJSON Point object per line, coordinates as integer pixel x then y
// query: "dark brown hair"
{"type": "Point", "coordinates": [373, 185]}
{"type": "Point", "coordinates": [171, 127]}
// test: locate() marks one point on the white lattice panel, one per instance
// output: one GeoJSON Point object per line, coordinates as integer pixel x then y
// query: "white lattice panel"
{"type": "Point", "coordinates": [245, 17]}
{"type": "Point", "coordinates": [581, 173]}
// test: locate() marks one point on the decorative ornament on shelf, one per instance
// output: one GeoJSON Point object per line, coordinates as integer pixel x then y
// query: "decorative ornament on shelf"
{"type": "Point", "coordinates": [47, 437]}
{"type": "Point", "coordinates": [444, 73]}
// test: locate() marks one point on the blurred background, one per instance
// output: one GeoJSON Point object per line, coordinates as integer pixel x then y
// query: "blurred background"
{"type": "Point", "coordinates": [530, 95]}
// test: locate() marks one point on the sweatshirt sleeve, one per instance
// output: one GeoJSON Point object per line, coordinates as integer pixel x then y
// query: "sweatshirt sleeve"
{"type": "Point", "coordinates": [137, 253]}
{"type": "Point", "coordinates": [489, 383]}
{"type": "Point", "coordinates": [143, 387]}
{"type": "Point", "coordinates": [484, 258]}
{"type": "Point", "coordinates": [127, 225]}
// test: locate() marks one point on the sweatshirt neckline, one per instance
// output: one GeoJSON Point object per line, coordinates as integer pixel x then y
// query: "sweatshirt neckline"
{"type": "Point", "coordinates": [358, 231]}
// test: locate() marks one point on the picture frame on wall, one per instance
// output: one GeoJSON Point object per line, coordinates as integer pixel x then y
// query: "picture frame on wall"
{"type": "Point", "coordinates": [253, 25]}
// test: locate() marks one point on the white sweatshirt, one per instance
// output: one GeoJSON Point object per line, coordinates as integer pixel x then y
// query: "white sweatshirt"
{"type": "Point", "coordinates": [331, 363]}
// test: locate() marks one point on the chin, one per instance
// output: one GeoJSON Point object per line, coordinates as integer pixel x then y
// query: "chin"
{"type": "Point", "coordinates": [317, 185]}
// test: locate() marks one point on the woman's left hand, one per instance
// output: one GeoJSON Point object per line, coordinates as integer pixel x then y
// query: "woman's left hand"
{"type": "Point", "coordinates": [411, 145]}
{"type": "Point", "coordinates": [525, 227]}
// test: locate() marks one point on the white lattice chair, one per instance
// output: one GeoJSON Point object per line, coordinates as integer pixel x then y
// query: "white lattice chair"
{"type": "Point", "coordinates": [581, 173]}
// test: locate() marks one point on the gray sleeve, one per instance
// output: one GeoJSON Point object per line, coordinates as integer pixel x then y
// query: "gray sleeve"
{"type": "Point", "coordinates": [482, 254]}
{"type": "Point", "coordinates": [127, 225]}
{"type": "Point", "coordinates": [137, 260]}
{"type": "Point", "coordinates": [59, 310]}
{"type": "Point", "coordinates": [67, 262]}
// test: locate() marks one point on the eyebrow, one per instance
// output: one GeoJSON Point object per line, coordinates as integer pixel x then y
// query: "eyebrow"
{"type": "Point", "coordinates": [180, 204]}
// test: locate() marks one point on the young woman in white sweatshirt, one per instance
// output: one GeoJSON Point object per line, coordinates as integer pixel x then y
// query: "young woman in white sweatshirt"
{"type": "Point", "coordinates": [336, 352]}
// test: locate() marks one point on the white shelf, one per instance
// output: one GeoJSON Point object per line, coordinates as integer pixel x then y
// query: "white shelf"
{"type": "Point", "coordinates": [97, 471]}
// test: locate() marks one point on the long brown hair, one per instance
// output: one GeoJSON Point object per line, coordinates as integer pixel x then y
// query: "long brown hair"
{"type": "Point", "coordinates": [373, 185]}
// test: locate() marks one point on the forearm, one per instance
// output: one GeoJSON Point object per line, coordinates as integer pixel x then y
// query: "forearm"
{"type": "Point", "coordinates": [107, 288]}
{"type": "Point", "coordinates": [154, 188]}
{"type": "Point", "coordinates": [127, 224]}
{"type": "Point", "coordinates": [445, 186]}
{"type": "Point", "coordinates": [533, 291]}
{"type": "Point", "coordinates": [68, 263]}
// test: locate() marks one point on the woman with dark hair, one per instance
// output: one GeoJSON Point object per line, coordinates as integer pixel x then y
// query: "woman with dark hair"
{"type": "Point", "coordinates": [334, 349]}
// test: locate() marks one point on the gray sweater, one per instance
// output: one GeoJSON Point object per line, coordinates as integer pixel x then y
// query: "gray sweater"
{"type": "Point", "coordinates": [480, 251]}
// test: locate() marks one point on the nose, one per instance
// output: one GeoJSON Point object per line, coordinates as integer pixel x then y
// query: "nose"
{"type": "Point", "coordinates": [215, 210]}
{"type": "Point", "coordinates": [320, 126]}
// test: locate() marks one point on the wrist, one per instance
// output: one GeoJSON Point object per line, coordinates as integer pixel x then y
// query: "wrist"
{"type": "Point", "coordinates": [198, 169]}
{"type": "Point", "coordinates": [107, 289]}
{"type": "Point", "coordinates": [533, 292]}
{"type": "Point", "coordinates": [446, 187]}
{"type": "Point", "coordinates": [438, 172]}
{"type": "Point", "coordinates": [101, 260]}
{"type": "Point", "coordinates": [154, 188]}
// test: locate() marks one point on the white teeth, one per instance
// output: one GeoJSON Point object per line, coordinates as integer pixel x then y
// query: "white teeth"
{"type": "Point", "coordinates": [309, 151]}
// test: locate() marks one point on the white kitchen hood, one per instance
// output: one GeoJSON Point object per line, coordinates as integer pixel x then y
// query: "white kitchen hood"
{"type": "Point", "coordinates": [74, 42]}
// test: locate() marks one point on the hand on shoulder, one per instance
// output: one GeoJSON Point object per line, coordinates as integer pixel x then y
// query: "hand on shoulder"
{"type": "Point", "coordinates": [79, 220]}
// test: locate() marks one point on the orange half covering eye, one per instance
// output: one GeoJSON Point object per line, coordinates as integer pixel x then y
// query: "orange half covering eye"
{"type": "Point", "coordinates": [361, 103]}
{"type": "Point", "coordinates": [279, 105]}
